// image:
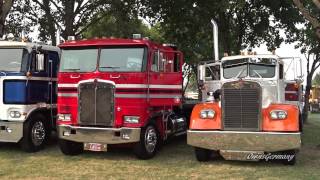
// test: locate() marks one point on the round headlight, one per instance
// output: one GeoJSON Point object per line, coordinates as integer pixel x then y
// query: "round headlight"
{"type": "Point", "coordinates": [278, 114]}
{"type": "Point", "coordinates": [207, 114]}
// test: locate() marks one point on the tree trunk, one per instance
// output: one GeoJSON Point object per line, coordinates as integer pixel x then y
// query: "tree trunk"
{"type": "Point", "coordinates": [306, 98]}
{"type": "Point", "coordinates": [5, 7]}
{"type": "Point", "coordinates": [69, 19]}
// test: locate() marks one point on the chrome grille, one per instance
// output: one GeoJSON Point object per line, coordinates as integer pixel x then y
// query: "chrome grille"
{"type": "Point", "coordinates": [96, 104]}
{"type": "Point", "coordinates": [241, 106]}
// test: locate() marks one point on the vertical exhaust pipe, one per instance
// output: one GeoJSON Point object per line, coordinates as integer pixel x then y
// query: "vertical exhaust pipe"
{"type": "Point", "coordinates": [215, 40]}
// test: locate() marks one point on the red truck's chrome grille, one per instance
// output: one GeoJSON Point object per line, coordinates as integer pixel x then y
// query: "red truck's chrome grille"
{"type": "Point", "coordinates": [241, 106]}
{"type": "Point", "coordinates": [96, 104]}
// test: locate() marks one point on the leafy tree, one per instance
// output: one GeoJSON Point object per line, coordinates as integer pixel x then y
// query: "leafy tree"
{"type": "Point", "coordinates": [309, 42]}
{"type": "Point", "coordinates": [310, 11]}
{"type": "Point", "coordinates": [242, 23]}
{"type": "Point", "coordinates": [316, 80]}
{"type": "Point", "coordinates": [5, 6]}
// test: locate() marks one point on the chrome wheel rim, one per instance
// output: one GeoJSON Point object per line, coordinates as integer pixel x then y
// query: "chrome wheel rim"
{"type": "Point", "coordinates": [151, 139]}
{"type": "Point", "coordinates": [38, 133]}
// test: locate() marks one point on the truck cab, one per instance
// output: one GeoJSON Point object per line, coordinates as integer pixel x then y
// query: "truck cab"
{"type": "Point", "coordinates": [119, 92]}
{"type": "Point", "coordinates": [28, 75]}
{"type": "Point", "coordinates": [251, 114]}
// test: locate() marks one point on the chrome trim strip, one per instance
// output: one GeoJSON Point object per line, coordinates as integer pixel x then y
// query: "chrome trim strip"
{"type": "Point", "coordinates": [32, 78]}
{"type": "Point", "coordinates": [245, 132]}
{"type": "Point", "coordinates": [155, 86]}
{"type": "Point", "coordinates": [154, 96]}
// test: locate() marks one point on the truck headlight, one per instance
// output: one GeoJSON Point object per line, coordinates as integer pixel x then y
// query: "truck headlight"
{"type": "Point", "coordinates": [131, 119]}
{"type": "Point", "coordinates": [15, 114]}
{"type": "Point", "coordinates": [207, 114]}
{"type": "Point", "coordinates": [64, 117]}
{"type": "Point", "coordinates": [278, 114]}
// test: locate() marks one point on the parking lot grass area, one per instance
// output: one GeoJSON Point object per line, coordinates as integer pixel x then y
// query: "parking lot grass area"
{"type": "Point", "coordinates": [175, 160]}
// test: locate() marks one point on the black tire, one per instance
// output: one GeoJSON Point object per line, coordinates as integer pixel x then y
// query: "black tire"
{"type": "Point", "coordinates": [301, 122]}
{"type": "Point", "coordinates": [292, 161]}
{"type": "Point", "coordinates": [70, 148]}
{"type": "Point", "coordinates": [36, 132]}
{"type": "Point", "coordinates": [149, 143]}
{"type": "Point", "coordinates": [202, 155]}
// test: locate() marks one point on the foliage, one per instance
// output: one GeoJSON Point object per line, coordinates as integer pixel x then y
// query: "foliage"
{"type": "Point", "coordinates": [242, 23]}
{"type": "Point", "coordinates": [316, 80]}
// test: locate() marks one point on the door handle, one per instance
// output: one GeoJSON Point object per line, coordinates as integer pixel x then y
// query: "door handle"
{"type": "Point", "coordinates": [75, 76]}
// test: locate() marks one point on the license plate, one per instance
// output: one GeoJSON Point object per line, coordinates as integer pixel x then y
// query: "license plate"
{"type": "Point", "coordinates": [95, 147]}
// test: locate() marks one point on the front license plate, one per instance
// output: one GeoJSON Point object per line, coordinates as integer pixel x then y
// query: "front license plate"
{"type": "Point", "coordinates": [95, 147]}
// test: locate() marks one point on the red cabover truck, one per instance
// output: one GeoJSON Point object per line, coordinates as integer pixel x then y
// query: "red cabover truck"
{"type": "Point", "coordinates": [119, 91]}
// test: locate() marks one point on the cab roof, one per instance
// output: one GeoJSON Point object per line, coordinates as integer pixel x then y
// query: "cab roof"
{"type": "Point", "coordinates": [111, 42]}
{"type": "Point", "coordinates": [250, 56]}
{"type": "Point", "coordinates": [28, 45]}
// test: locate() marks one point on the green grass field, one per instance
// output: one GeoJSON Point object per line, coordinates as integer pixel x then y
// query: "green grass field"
{"type": "Point", "coordinates": [176, 160]}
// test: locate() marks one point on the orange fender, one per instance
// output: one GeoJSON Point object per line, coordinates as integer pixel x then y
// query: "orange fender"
{"type": "Point", "coordinates": [291, 123]}
{"type": "Point", "coordinates": [198, 123]}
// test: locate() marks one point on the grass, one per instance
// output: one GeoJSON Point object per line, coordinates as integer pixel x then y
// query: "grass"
{"type": "Point", "coordinates": [176, 160]}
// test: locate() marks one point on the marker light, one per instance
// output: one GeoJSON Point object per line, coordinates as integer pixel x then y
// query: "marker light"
{"type": "Point", "coordinates": [207, 114]}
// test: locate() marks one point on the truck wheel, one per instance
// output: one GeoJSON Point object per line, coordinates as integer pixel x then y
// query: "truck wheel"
{"type": "Point", "coordinates": [70, 148]}
{"type": "Point", "coordinates": [300, 122]}
{"type": "Point", "coordinates": [292, 161]}
{"type": "Point", "coordinates": [202, 155]}
{"type": "Point", "coordinates": [35, 133]}
{"type": "Point", "coordinates": [148, 145]}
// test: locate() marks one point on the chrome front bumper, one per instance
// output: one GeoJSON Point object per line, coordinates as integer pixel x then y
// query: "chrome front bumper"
{"type": "Point", "coordinates": [244, 141]}
{"type": "Point", "coordinates": [99, 135]}
{"type": "Point", "coordinates": [11, 131]}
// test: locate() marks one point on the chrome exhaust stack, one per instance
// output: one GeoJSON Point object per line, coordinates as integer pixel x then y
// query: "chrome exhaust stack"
{"type": "Point", "coordinates": [215, 40]}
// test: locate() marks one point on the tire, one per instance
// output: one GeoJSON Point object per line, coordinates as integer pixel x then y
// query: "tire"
{"type": "Point", "coordinates": [202, 155]}
{"type": "Point", "coordinates": [70, 148]}
{"type": "Point", "coordinates": [292, 161]}
{"type": "Point", "coordinates": [149, 143]}
{"type": "Point", "coordinates": [36, 132]}
{"type": "Point", "coordinates": [300, 122]}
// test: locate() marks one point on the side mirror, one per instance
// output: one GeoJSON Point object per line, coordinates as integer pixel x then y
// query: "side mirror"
{"type": "Point", "coordinates": [40, 62]}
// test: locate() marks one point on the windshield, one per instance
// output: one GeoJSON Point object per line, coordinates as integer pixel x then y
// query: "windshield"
{"type": "Point", "coordinates": [257, 68]}
{"type": "Point", "coordinates": [111, 60]}
{"type": "Point", "coordinates": [11, 59]}
{"type": "Point", "coordinates": [80, 60]}
{"type": "Point", "coordinates": [122, 59]}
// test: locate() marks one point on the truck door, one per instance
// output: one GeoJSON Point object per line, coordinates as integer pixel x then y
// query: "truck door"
{"type": "Point", "coordinates": [165, 78]}
{"type": "Point", "coordinates": [292, 81]}
{"type": "Point", "coordinates": [38, 81]}
{"type": "Point", "coordinates": [210, 74]}
{"type": "Point", "coordinates": [53, 61]}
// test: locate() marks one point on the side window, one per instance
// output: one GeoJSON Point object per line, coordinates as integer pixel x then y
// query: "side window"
{"type": "Point", "coordinates": [212, 73]}
{"type": "Point", "coordinates": [281, 71]}
{"type": "Point", "coordinates": [155, 63]}
{"type": "Point", "coordinates": [162, 62]}
{"type": "Point", "coordinates": [54, 59]}
{"type": "Point", "coordinates": [176, 62]}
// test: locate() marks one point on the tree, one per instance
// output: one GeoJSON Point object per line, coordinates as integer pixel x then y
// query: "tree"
{"type": "Point", "coordinates": [309, 42]}
{"type": "Point", "coordinates": [5, 6]}
{"type": "Point", "coordinates": [71, 17]}
{"type": "Point", "coordinates": [316, 80]}
{"type": "Point", "coordinates": [311, 13]}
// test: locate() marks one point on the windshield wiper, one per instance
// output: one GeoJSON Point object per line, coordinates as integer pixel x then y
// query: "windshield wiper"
{"type": "Point", "coordinates": [237, 76]}
{"type": "Point", "coordinates": [257, 73]}
{"type": "Point", "coordinates": [110, 67]}
{"type": "Point", "coordinates": [72, 69]}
